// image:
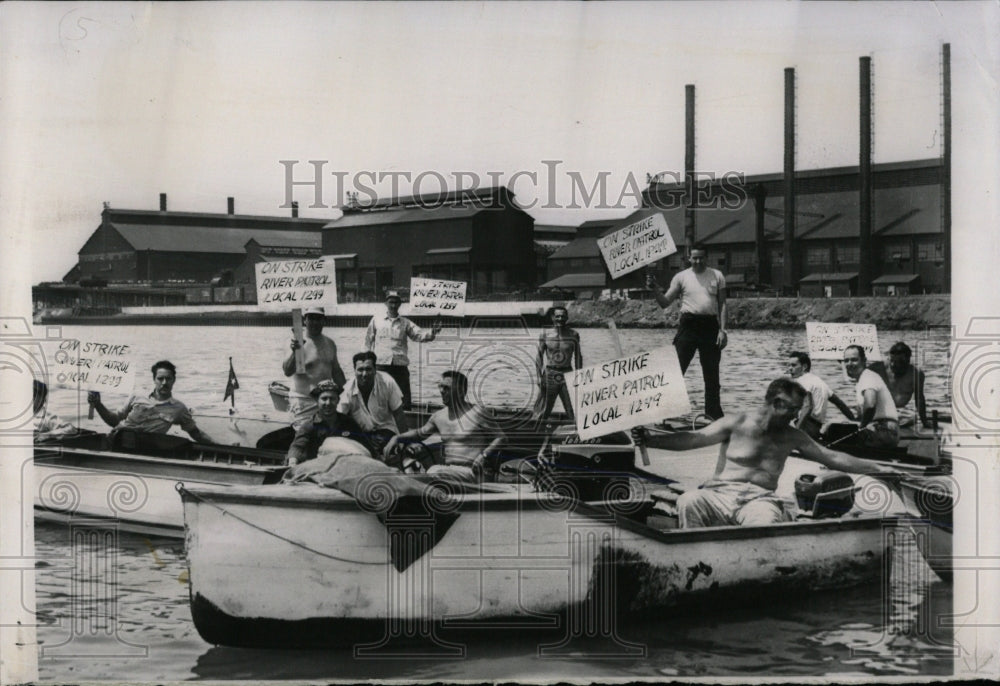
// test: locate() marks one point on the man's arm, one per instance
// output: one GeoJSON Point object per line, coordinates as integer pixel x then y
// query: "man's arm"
{"type": "Point", "coordinates": [723, 337]}
{"type": "Point", "coordinates": [716, 432]}
{"type": "Point", "coordinates": [288, 365]}
{"type": "Point", "coordinates": [370, 336]}
{"type": "Point", "coordinates": [411, 436]}
{"type": "Point", "coordinates": [540, 357]}
{"type": "Point", "coordinates": [418, 335]}
{"type": "Point", "coordinates": [186, 422]}
{"type": "Point", "coordinates": [400, 416]}
{"type": "Point", "coordinates": [809, 449]}
{"type": "Point", "coordinates": [335, 371]}
{"type": "Point", "coordinates": [868, 406]}
{"type": "Point", "coordinates": [664, 298]}
{"type": "Point", "coordinates": [807, 406]}
{"type": "Point", "coordinates": [110, 417]}
{"type": "Point", "coordinates": [577, 353]}
{"type": "Point", "coordinates": [298, 450]}
{"type": "Point", "coordinates": [842, 406]}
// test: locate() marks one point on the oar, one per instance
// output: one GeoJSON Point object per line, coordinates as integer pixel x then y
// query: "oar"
{"type": "Point", "coordinates": [617, 342]}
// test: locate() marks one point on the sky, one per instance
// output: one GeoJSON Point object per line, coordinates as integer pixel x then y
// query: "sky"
{"type": "Point", "coordinates": [119, 102]}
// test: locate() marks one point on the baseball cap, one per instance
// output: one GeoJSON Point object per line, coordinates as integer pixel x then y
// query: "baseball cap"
{"type": "Point", "coordinates": [314, 310]}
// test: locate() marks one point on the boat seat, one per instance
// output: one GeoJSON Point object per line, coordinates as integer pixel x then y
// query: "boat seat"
{"type": "Point", "coordinates": [152, 444]}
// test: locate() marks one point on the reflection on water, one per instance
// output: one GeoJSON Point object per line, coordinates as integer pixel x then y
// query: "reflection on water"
{"type": "Point", "coordinates": [130, 594]}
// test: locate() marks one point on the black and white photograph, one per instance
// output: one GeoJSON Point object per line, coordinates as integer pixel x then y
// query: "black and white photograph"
{"type": "Point", "coordinates": [499, 341]}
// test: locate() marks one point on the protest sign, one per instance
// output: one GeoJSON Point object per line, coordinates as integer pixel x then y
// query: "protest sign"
{"type": "Point", "coordinates": [435, 296]}
{"type": "Point", "coordinates": [828, 340]}
{"type": "Point", "coordinates": [638, 389]}
{"type": "Point", "coordinates": [296, 284]}
{"type": "Point", "coordinates": [637, 245]}
{"type": "Point", "coordinates": [94, 366]}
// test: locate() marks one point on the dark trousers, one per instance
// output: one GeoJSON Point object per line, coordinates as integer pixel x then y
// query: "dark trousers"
{"type": "Point", "coordinates": [698, 333]}
{"type": "Point", "coordinates": [553, 385]}
{"type": "Point", "coordinates": [401, 375]}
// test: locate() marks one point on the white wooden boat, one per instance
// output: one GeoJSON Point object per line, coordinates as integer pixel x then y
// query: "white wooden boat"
{"type": "Point", "coordinates": [132, 486]}
{"type": "Point", "coordinates": [299, 566]}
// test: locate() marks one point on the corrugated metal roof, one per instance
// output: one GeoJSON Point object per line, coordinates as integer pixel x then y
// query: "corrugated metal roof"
{"type": "Point", "coordinates": [211, 239]}
{"type": "Point", "coordinates": [578, 247]}
{"type": "Point", "coordinates": [403, 216]}
{"type": "Point", "coordinates": [449, 251]}
{"type": "Point", "coordinates": [289, 239]}
{"type": "Point", "coordinates": [896, 278]}
{"type": "Point", "coordinates": [586, 280]}
{"type": "Point", "coordinates": [832, 276]}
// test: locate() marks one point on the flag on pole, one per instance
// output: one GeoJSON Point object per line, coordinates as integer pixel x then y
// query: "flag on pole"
{"type": "Point", "coordinates": [231, 385]}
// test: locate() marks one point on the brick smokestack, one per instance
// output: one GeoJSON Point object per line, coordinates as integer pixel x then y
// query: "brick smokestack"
{"type": "Point", "coordinates": [231, 205]}
{"type": "Point", "coordinates": [295, 209]}
{"type": "Point", "coordinates": [163, 202]}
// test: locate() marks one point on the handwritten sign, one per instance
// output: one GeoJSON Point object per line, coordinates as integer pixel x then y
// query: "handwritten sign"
{"type": "Point", "coordinates": [639, 389]}
{"type": "Point", "coordinates": [291, 284]}
{"type": "Point", "coordinates": [637, 245]}
{"type": "Point", "coordinates": [434, 296]}
{"type": "Point", "coordinates": [827, 341]}
{"type": "Point", "coordinates": [94, 366]}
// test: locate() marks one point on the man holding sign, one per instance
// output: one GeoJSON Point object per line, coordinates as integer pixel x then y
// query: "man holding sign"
{"type": "Point", "coordinates": [387, 337]}
{"type": "Point", "coordinates": [319, 363]}
{"type": "Point", "coordinates": [155, 413]}
{"type": "Point", "coordinates": [753, 448]}
{"type": "Point", "coordinates": [702, 326]}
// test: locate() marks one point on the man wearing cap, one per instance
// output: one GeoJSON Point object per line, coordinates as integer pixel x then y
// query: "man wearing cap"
{"type": "Point", "coordinates": [373, 400]}
{"type": "Point", "coordinates": [319, 362]}
{"type": "Point", "coordinates": [325, 422]}
{"type": "Point", "coordinates": [387, 336]}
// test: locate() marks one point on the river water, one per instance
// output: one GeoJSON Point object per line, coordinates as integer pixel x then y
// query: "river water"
{"type": "Point", "coordinates": [114, 605]}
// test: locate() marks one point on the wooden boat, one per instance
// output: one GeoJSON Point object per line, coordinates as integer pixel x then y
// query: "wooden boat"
{"type": "Point", "coordinates": [130, 485]}
{"type": "Point", "coordinates": [296, 566]}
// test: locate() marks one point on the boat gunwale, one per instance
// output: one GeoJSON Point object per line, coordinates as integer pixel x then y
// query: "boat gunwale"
{"type": "Point", "coordinates": [51, 456]}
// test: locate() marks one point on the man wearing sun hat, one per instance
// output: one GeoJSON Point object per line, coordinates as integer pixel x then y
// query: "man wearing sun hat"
{"type": "Point", "coordinates": [387, 337]}
{"type": "Point", "coordinates": [319, 362]}
{"type": "Point", "coordinates": [324, 423]}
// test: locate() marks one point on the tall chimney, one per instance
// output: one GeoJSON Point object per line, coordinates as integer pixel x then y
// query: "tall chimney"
{"type": "Point", "coordinates": [791, 269]}
{"type": "Point", "coordinates": [946, 163]}
{"type": "Point", "coordinates": [231, 203]}
{"type": "Point", "coordinates": [295, 209]}
{"type": "Point", "coordinates": [865, 179]}
{"type": "Point", "coordinates": [690, 226]}
{"type": "Point", "coordinates": [163, 202]}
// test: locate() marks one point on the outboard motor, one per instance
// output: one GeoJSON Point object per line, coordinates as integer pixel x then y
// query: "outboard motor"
{"type": "Point", "coordinates": [830, 494]}
{"type": "Point", "coordinates": [594, 469]}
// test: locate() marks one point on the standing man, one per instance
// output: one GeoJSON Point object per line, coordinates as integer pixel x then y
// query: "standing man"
{"type": "Point", "coordinates": [812, 416]}
{"type": "Point", "coordinates": [905, 381]}
{"type": "Point", "coordinates": [387, 336]}
{"type": "Point", "coordinates": [702, 326]}
{"type": "Point", "coordinates": [319, 362]}
{"type": "Point", "coordinates": [562, 346]}
{"type": "Point", "coordinates": [154, 413]}
{"type": "Point", "coordinates": [373, 400]}
{"type": "Point", "coordinates": [877, 411]}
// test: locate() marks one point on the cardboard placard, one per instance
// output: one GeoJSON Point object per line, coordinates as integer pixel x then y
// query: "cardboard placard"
{"type": "Point", "coordinates": [94, 366]}
{"type": "Point", "coordinates": [638, 244]}
{"type": "Point", "coordinates": [637, 389]}
{"type": "Point", "coordinates": [437, 296]}
{"type": "Point", "coordinates": [828, 340]}
{"type": "Point", "coordinates": [289, 284]}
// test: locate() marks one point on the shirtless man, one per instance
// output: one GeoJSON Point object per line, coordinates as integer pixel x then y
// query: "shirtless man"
{"type": "Point", "coordinates": [320, 363]}
{"type": "Point", "coordinates": [904, 380]}
{"type": "Point", "coordinates": [469, 435]}
{"type": "Point", "coordinates": [562, 346]}
{"type": "Point", "coordinates": [754, 448]}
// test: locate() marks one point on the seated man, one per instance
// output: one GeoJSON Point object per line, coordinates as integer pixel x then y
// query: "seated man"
{"type": "Point", "coordinates": [325, 422]}
{"type": "Point", "coordinates": [155, 413]}
{"type": "Point", "coordinates": [374, 401]}
{"type": "Point", "coordinates": [47, 425]}
{"type": "Point", "coordinates": [905, 382]}
{"type": "Point", "coordinates": [469, 435]}
{"type": "Point", "coordinates": [754, 448]}
{"type": "Point", "coordinates": [876, 408]}
{"type": "Point", "coordinates": [812, 417]}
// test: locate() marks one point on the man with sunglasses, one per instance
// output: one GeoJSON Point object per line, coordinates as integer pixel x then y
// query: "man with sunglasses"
{"type": "Point", "coordinates": [753, 448]}
{"type": "Point", "coordinates": [470, 436]}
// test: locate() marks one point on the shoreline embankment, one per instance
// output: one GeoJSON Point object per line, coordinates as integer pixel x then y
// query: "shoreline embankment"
{"type": "Point", "coordinates": [915, 312]}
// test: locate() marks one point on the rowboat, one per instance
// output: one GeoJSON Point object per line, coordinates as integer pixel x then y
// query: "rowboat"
{"type": "Point", "coordinates": [129, 483]}
{"type": "Point", "coordinates": [297, 566]}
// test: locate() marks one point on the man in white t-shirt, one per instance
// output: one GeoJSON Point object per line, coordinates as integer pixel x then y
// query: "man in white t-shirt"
{"type": "Point", "coordinates": [702, 325]}
{"type": "Point", "coordinates": [812, 416]}
{"type": "Point", "coordinates": [373, 400]}
{"type": "Point", "coordinates": [877, 410]}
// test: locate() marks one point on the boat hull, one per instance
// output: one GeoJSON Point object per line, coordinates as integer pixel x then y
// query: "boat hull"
{"type": "Point", "coordinates": [291, 566]}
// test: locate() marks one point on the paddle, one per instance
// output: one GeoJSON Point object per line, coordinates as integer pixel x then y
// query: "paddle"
{"type": "Point", "coordinates": [617, 342]}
